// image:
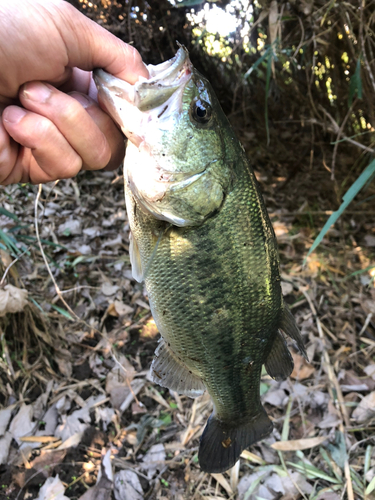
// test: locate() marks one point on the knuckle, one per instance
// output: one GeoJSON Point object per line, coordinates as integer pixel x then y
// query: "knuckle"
{"type": "Point", "coordinates": [43, 128]}
{"type": "Point", "coordinates": [71, 167]}
{"type": "Point", "coordinates": [103, 156]}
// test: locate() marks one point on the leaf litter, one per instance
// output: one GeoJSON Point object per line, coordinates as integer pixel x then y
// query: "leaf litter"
{"type": "Point", "coordinates": [82, 402]}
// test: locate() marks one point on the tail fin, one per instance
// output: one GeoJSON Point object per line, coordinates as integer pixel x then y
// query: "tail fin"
{"type": "Point", "coordinates": [222, 443]}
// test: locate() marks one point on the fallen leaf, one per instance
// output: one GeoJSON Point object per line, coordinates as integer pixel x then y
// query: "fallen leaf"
{"type": "Point", "coordinates": [72, 441]}
{"type": "Point", "coordinates": [12, 299]}
{"type": "Point", "coordinates": [103, 487]}
{"type": "Point", "coordinates": [122, 309]}
{"type": "Point", "coordinates": [127, 486]}
{"type": "Point", "coordinates": [78, 421]}
{"type": "Point", "coordinates": [4, 447]}
{"type": "Point", "coordinates": [302, 369]}
{"type": "Point", "coordinates": [366, 409]}
{"type": "Point", "coordinates": [4, 418]}
{"type": "Point", "coordinates": [370, 370]}
{"type": "Point", "coordinates": [275, 397]}
{"type": "Point", "coordinates": [223, 483]}
{"type": "Point", "coordinates": [22, 423]}
{"type": "Point", "coordinates": [46, 461]}
{"type": "Point", "coordinates": [107, 289]}
{"type": "Point", "coordinates": [52, 489]}
{"type": "Point", "coordinates": [269, 485]}
{"type": "Point", "coordinates": [286, 288]}
{"type": "Point", "coordinates": [299, 444]}
{"type": "Point", "coordinates": [154, 459]}
{"type": "Point", "coordinates": [69, 228]}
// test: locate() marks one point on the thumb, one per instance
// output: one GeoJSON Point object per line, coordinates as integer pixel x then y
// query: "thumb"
{"type": "Point", "coordinates": [90, 46]}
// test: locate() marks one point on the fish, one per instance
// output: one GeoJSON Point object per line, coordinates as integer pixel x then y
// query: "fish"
{"type": "Point", "coordinates": [203, 243]}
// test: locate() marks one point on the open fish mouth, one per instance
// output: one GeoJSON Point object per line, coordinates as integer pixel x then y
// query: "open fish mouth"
{"type": "Point", "coordinates": [148, 94]}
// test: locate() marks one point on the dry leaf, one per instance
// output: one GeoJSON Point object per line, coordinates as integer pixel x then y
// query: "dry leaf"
{"type": "Point", "coordinates": [12, 299]}
{"type": "Point", "coordinates": [299, 444]}
{"type": "Point", "coordinates": [4, 447]}
{"type": "Point", "coordinates": [4, 418]}
{"type": "Point", "coordinates": [78, 421]}
{"type": "Point", "coordinates": [154, 459]}
{"type": "Point", "coordinates": [302, 369]}
{"type": "Point", "coordinates": [366, 409]}
{"type": "Point", "coordinates": [127, 486]}
{"type": "Point", "coordinates": [70, 228]}
{"type": "Point", "coordinates": [223, 483]}
{"type": "Point", "coordinates": [122, 309]}
{"type": "Point", "coordinates": [107, 289]}
{"type": "Point", "coordinates": [275, 397]}
{"type": "Point", "coordinates": [286, 288]}
{"type": "Point", "coordinates": [52, 489]}
{"type": "Point", "coordinates": [22, 423]}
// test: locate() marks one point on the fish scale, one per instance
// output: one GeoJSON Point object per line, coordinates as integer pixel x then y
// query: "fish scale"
{"type": "Point", "coordinates": [204, 245]}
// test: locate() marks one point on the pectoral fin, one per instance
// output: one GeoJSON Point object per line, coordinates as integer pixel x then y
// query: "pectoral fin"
{"type": "Point", "coordinates": [169, 371]}
{"type": "Point", "coordinates": [279, 363]}
{"type": "Point", "coordinates": [289, 326]}
{"type": "Point", "coordinates": [135, 259]}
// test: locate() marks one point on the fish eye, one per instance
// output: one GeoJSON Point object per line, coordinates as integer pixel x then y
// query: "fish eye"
{"type": "Point", "coordinates": [201, 111]}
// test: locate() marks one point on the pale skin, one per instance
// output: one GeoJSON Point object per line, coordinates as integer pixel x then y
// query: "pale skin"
{"type": "Point", "coordinates": [51, 125]}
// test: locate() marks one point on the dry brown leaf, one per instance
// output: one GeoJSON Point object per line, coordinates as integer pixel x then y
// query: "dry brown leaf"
{"type": "Point", "coordinates": [299, 444]}
{"type": "Point", "coordinates": [302, 369]}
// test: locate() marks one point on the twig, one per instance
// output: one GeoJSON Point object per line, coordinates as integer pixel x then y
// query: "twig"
{"type": "Point", "coordinates": [12, 264]}
{"type": "Point", "coordinates": [336, 129]}
{"type": "Point", "coordinates": [302, 38]}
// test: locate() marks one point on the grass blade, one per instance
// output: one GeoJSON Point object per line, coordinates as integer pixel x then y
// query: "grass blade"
{"type": "Point", "coordinates": [354, 189]}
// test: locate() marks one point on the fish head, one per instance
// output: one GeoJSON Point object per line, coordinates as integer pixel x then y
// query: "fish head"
{"type": "Point", "coordinates": [178, 140]}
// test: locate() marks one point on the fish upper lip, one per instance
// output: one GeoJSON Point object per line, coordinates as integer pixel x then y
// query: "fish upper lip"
{"type": "Point", "coordinates": [167, 71]}
{"type": "Point", "coordinates": [146, 94]}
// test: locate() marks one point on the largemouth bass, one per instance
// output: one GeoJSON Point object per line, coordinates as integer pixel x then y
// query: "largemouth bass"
{"type": "Point", "coordinates": [204, 245]}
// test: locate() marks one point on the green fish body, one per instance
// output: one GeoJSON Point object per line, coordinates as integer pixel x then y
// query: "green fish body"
{"type": "Point", "coordinates": [204, 245]}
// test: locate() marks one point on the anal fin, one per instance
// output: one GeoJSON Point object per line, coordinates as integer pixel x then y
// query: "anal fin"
{"type": "Point", "coordinates": [289, 326]}
{"type": "Point", "coordinates": [169, 371]}
{"type": "Point", "coordinates": [279, 363]}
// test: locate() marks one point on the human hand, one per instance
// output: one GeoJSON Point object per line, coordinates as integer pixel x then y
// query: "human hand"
{"type": "Point", "coordinates": [56, 129]}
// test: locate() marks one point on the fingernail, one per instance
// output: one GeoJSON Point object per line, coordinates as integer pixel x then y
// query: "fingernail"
{"type": "Point", "coordinates": [13, 115]}
{"type": "Point", "coordinates": [81, 98]}
{"type": "Point", "coordinates": [36, 91]}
